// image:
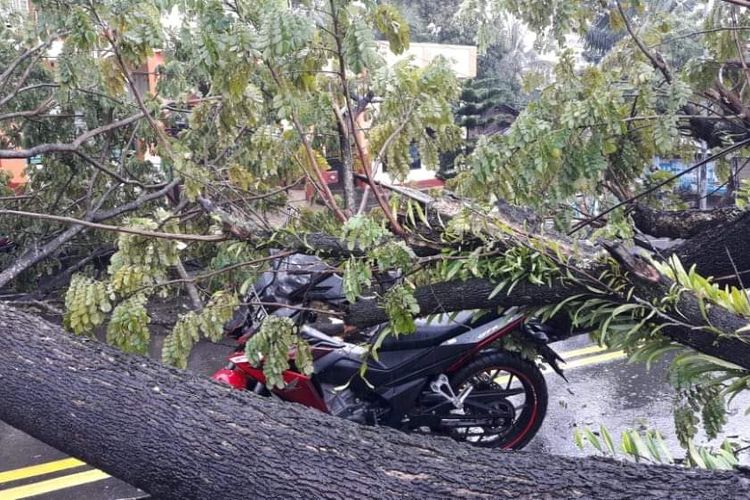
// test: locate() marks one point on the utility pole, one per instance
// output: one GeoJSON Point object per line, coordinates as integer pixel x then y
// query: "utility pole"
{"type": "Point", "coordinates": [703, 179]}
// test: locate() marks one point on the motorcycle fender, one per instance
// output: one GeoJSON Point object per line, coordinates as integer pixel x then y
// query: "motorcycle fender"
{"type": "Point", "coordinates": [552, 358]}
{"type": "Point", "coordinates": [232, 378]}
{"type": "Point", "coordinates": [548, 355]}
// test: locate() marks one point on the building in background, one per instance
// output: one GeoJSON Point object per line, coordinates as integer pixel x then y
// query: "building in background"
{"type": "Point", "coordinates": [17, 6]}
{"type": "Point", "coordinates": [145, 79]}
{"type": "Point", "coordinates": [704, 187]}
{"type": "Point", "coordinates": [462, 58]}
{"type": "Point", "coordinates": [15, 166]}
{"type": "Point", "coordinates": [463, 62]}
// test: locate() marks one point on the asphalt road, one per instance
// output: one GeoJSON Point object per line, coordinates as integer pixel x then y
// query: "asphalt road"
{"type": "Point", "coordinates": [603, 388]}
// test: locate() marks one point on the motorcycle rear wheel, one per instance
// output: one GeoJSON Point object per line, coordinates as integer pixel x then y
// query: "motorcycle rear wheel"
{"type": "Point", "coordinates": [522, 397]}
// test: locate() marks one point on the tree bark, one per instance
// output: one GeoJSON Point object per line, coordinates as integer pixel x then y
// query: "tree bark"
{"type": "Point", "coordinates": [193, 293]}
{"type": "Point", "coordinates": [179, 436]}
{"type": "Point", "coordinates": [451, 296]}
{"type": "Point", "coordinates": [693, 330]}
{"type": "Point", "coordinates": [713, 131]}
{"type": "Point", "coordinates": [688, 322]}
{"type": "Point", "coordinates": [681, 223]}
{"type": "Point", "coordinates": [347, 170]}
{"type": "Point", "coordinates": [721, 251]}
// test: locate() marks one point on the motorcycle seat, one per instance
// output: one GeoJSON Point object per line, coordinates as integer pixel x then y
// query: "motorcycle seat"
{"type": "Point", "coordinates": [430, 332]}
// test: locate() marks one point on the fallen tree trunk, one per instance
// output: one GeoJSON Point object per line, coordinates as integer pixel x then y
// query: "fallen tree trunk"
{"type": "Point", "coordinates": [451, 296]}
{"type": "Point", "coordinates": [721, 251]}
{"type": "Point", "coordinates": [683, 224]}
{"type": "Point", "coordinates": [716, 240]}
{"type": "Point", "coordinates": [697, 328]}
{"type": "Point", "coordinates": [703, 326]}
{"type": "Point", "coordinates": [508, 226]}
{"type": "Point", "coordinates": [176, 435]}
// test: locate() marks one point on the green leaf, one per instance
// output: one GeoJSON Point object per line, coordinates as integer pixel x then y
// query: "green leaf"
{"type": "Point", "coordinates": [578, 438]}
{"type": "Point", "coordinates": [607, 438]}
{"type": "Point", "coordinates": [498, 288]}
{"type": "Point", "coordinates": [593, 439]}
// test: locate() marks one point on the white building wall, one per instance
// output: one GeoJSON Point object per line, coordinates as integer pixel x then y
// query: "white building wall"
{"type": "Point", "coordinates": [463, 58]}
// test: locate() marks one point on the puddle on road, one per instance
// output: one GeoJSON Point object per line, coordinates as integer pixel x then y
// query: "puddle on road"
{"type": "Point", "coordinates": [622, 396]}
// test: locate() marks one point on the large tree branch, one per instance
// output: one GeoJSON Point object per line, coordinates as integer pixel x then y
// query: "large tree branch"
{"type": "Point", "coordinates": [348, 161]}
{"type": "Point", "coordinates": [720, 249]}
{"type": "Point", "coordinates": [680, 223]}
{"type": "Point", "coordinates": [71, 147]}
{"type": "Point", "coordinates": [714, 129]}
{"type": "Point", "coordinates": [452, 296]}
{"type": "Point", "coordinates": [707, 328]}
{"type": "Point", "coordinates": [741, 3]}
{"type": "Point", "coordinates": [656, 60]}
{"type": "Point", "coordinates": [117, 229]}
{"type": "Point", "coordinates": [715, 334]}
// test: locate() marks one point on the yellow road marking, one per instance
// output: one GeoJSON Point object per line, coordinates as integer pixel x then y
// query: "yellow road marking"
{"type": "Point", "coordinates": [593, 360]}
{"type": "Point", "coordinates": [38, 470]}
{"type": "Point", "coordinates": [582, 351]}
{"type": "Point", "coordinates": [50, 485]}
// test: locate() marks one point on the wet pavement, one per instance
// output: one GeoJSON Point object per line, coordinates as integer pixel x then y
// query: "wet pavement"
{"type": "Point", "coordinates": [603, 389]}
{"type": "Point", "coordinates": [621, 396]}
{"type": "Point", "coordinates": [31, 469]}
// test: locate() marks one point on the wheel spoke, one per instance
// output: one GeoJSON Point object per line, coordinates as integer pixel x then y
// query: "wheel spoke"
{"type": "Point", "coordinates": [491, 411]}
{"type": "Point", "coordinates": [511, 392]}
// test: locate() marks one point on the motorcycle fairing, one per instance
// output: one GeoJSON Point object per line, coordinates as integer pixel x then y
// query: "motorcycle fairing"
{"type": "Point", "coordinates": [389, 368]}
{"type": "Point", "coordinates": [298, 388]}
{"type": "Point", "coordinates": [398, 377]}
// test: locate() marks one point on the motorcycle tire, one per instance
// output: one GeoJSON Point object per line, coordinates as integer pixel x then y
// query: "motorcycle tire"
{"type": "Point", "coordinates": [530, 382]}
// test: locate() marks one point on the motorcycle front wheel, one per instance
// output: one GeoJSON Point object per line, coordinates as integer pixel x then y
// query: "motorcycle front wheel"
{"type": "Point", "coordinates": [506, 404]}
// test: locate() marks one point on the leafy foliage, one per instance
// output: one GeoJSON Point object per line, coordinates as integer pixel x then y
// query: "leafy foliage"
{"type": "Point", "coordinates": [416, 110]}
{"type": "Point", "coordinates": [401, 307]}
{"type": "Point", "coordinates": [269, 348]}
{"type": "Point", "coordinates": [363, 232]}
{"type": "Point", "coordinates": [87, 301]}
{"type": "Point", "coordinates": [190, 327]}
{"type": "Point", "coordinates": [258, 95]}
{"type": "Point", "coordinates": [650, 446]}
{"type": "Point", "coordinates": [128, 327]}
{"type": "Point", "coordinates": [141, 262]}
{"type": "Point", "coordinates": [567, 141]}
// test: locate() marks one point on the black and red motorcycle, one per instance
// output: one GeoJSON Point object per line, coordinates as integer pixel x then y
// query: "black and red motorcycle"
{"type": "Point", "coordinates": [447, 378]}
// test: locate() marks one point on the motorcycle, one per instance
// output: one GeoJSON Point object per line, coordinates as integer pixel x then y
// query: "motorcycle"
{"type": "Point", "coordinates": [447, 378]}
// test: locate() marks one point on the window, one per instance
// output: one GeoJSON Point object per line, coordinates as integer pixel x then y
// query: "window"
{"type": "Point", "coordinates": [19, 5]}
